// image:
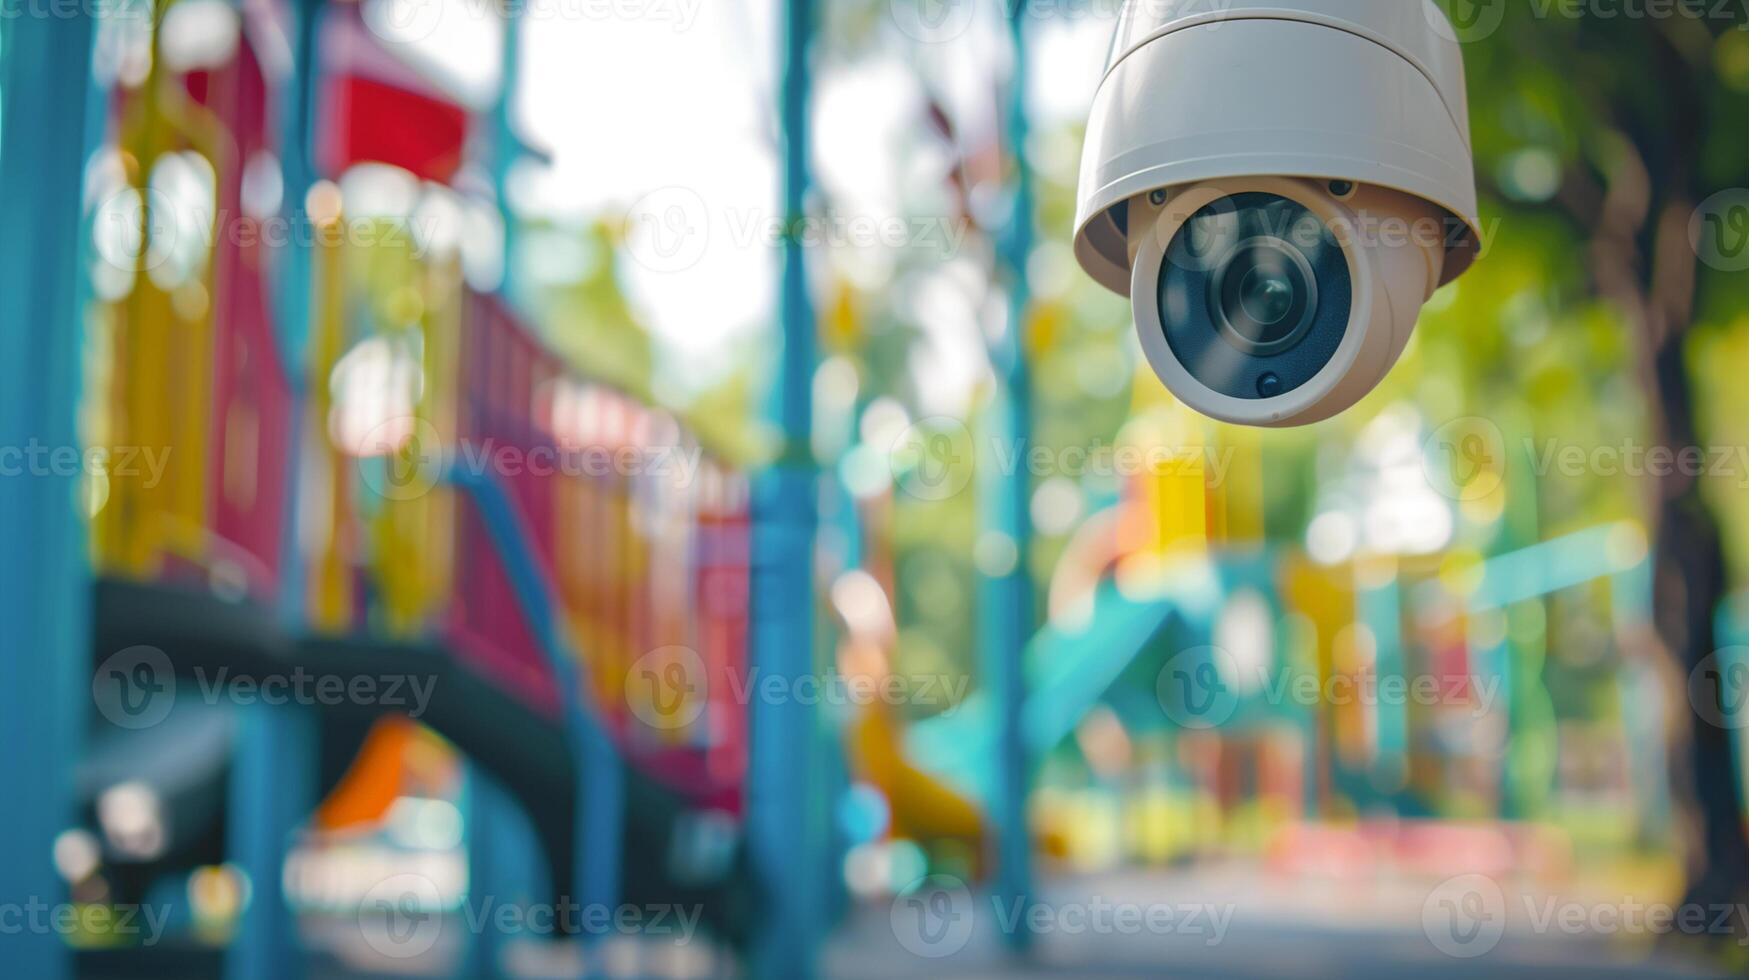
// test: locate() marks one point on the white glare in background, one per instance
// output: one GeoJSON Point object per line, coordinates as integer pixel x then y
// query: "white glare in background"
{"type": "Point", "coordinates": [181, 201]}
{"type": "Point", "coordinates": [263, 185]}
{"type": "Point", "coordinates": [864, 115]}
{"type": "Point", "coordinates": [375, 387]}
{"type": "Point", "coordinates": [1067, 59]}
{"type": "Point", "coordinates": [883, 422]}
{"type": "Point", "coordinates": [433, 825]}
{"type": "Point", "coordinates": [633, 106]}
{"type": "Point", "coordinates": [374, 190]}
{"type": "Point", "coordinates": [124, 44]}
{"type": "Point", "coordinates": [77, 855]}
{"type": "Point", "coordinates": [946, 303]}
{"type": "Point", "coordinates": [1056, 506]}
{"type": "Point", "coordinates": [437, 222]}
{"type": "Point", "coordinates": [131, 815]}
{"type": "Point", "coordinates": [457, 41]}
{"type": "Point", "coordinates": [1331, 537]}
{"type": "Point", "coordinates": [482, 245]}
{"type": "Point", "coordinates": [199, 34]}
{"type": "Point", "coordinates": [1246, 630]}
{"type": "Point", "coordinates": [1403, 514]}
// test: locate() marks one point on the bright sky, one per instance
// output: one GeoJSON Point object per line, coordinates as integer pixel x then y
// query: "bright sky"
{"type": "Point", "coordinates": [646, 116]}
{"type": "Point", "coordinates": [661, 112]}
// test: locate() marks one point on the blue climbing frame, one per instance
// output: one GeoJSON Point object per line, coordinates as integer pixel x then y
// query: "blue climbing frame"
{"type": "Point", "coordinates": [44, 672]}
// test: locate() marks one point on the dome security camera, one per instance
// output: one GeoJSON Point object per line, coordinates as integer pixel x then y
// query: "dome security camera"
{"type": "Point", "coordinates": [1278, 186]}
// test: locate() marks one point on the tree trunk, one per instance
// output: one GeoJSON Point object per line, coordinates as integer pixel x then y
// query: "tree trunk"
{"type": "Point", "coordinates": [1689, 587]}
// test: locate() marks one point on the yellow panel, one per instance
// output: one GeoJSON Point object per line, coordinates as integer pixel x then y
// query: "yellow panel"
{"type": "Point", "coordinates": [161, 337]}
{"type": "Point", "coordinates": [1236, 486]}
{"type": "Point", "coordinates": [330, 593]}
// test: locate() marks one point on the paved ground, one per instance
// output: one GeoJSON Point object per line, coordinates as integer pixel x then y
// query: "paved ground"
{"type": "Point", "coordinates": [1215, 925]}
{"type": "Point", "coordinates": [1208, 924]}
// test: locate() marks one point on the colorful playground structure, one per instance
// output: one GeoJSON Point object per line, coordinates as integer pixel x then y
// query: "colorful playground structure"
{"type": "Point", "coordinates": [337, 443]}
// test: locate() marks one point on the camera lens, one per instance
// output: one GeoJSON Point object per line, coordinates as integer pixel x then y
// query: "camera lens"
{"type": "Point", "coordinates": [1254, 295]}
{"type": "Point", "coordinates": [1265, 296]}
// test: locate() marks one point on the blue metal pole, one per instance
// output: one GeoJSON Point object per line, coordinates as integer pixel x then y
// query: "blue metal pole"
{"type": "Point", "coordinates": [274, 774]}
{"type": "Point", "coordinates": [272, 790]}
{"type": "Point", "coordinates": [1006, 619]}
{"type": "Point", "coordinates": [45, 75]}
{"type": "Point", "coordinates": [786, 827]}
{"type": "Point", "coordinates": [502, 862]}
{"type": "Point", "coordinates": [600, 771]}
{"type": "Point", "coordinates": [506, 147]}
{"type": "Point", "coordinates": [503, 869]}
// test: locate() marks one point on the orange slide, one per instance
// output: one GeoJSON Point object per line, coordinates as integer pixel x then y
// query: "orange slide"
{"type": "Point", "coordinates": [923, 808]}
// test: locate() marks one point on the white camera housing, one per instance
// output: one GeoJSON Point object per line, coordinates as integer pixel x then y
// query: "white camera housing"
{"type": "Point", "coordinates": [1219, 127]}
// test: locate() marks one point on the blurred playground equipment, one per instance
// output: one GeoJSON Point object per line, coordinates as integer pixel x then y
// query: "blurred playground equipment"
{"type": "Point", "coordinates": [319, 508]}
{"type": "Point", "coordinates": [340, 442]}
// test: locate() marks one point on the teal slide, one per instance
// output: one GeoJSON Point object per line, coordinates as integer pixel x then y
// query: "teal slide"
{"type": "Point", "coordinates": [1070, 667]}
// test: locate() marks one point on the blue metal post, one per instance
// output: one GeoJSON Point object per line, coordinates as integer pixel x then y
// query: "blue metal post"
{"type": "Point", "coordinates": [45, 75]}
{"type": "Point", "coordinates": [502, 851]}
{"type": "Point", "coordinates": [274, 774]}
{"type": "Point", "coordinates": [506, 147]}
{"type": "Point", "coordinates": [601, 814]}
{"type": "Point", "coordinates": [1381, 610]}
{"type": "Point", "coordinates": [1006, 619]}
{"type": "Point", "coordinates": [503, 869]}
{"type": "Point", "coordinates": [600, 771]}
{"type": "Point", "coordinates": [272, 791]}
{"type": "Point", "coordinates": [786, 827]}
